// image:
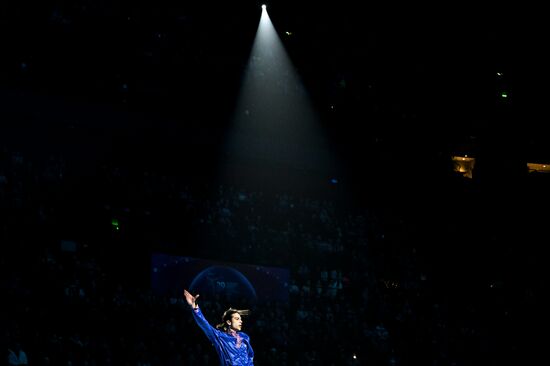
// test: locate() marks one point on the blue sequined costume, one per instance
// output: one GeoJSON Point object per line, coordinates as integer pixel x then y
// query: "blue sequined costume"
{"type": "Point", "coordinates": [233, 349]}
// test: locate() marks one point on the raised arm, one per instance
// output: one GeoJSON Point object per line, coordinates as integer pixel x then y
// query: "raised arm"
{"type": "Point", "coordinates": [209, 330]}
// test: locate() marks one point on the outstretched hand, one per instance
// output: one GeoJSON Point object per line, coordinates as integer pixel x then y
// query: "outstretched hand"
{"type": "Point", "coordinates": [191, 300]}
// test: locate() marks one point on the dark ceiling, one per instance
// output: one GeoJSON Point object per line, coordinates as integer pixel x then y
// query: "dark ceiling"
{"type": "Point", "coordinates": [383, 70]}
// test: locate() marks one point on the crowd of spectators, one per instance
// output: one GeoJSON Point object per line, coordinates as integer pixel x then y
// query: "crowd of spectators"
{"type": "Point", "coordinates": [361, 292]}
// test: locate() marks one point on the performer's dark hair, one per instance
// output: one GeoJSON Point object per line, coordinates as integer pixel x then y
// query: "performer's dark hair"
{"type": "Point", "coordinates": [227, 315]}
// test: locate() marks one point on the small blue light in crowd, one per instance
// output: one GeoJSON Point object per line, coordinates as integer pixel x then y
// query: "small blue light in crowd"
{"type": "Point", "coordinates": [334, 181]}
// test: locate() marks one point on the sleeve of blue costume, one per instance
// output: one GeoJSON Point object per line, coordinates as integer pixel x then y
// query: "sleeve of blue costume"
{"type": "Point", "coordinates": [209, 330]}
{"type": "Point", "coordinates": [214, 336]}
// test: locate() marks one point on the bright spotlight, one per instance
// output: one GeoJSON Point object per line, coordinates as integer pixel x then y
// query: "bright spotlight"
{"type": "Point", "coordinates": [263, 6]}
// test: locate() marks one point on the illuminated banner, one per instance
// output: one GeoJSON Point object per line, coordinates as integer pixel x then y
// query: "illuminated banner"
{"type": "Point", "coordinates": [237, 283]}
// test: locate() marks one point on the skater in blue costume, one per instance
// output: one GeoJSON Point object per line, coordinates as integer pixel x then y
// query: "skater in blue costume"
{"type": "Point", "coordinates": [232, 346]}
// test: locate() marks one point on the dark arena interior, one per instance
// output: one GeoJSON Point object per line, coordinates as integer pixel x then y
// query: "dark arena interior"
{"type": "Point", "coordinates": [371, 181]}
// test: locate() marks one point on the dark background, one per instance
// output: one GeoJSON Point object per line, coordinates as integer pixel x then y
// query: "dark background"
{"type": "Point", "coordinates": [119, 109]}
